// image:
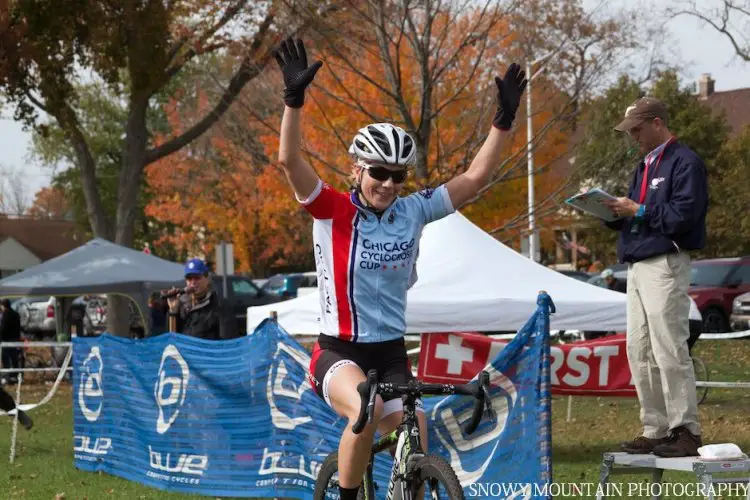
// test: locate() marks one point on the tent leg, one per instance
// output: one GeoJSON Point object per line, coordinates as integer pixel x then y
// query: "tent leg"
{"type": "Point", "coordinates": [570, 409]}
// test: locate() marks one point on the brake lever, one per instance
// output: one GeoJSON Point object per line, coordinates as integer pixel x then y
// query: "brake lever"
{"type": "Point", "coordinates": [487, 399]}
{"type": "Point", "coordinates": [371, 403]}
{"type": "Point", "coordinates": [373, 381]}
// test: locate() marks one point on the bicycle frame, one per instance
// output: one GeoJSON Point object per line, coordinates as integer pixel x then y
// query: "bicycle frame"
{"type": "Point", "coordinates": [406, 439]}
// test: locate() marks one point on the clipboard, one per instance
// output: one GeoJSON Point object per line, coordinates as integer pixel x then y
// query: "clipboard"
{"type": "Point", "coordinates": [591, 202]}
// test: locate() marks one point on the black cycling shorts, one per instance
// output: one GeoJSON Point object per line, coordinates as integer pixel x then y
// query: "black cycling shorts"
{"type": "Point", "coordinates": [388, 358]}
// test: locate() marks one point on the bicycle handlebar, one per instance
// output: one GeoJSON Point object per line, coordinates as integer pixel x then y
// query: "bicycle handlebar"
{"type": "Point", "coordinates": [370, 388]}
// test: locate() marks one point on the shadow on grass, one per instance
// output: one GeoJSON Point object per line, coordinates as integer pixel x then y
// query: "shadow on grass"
{"type": "Point", "coordinates": [577, 453]}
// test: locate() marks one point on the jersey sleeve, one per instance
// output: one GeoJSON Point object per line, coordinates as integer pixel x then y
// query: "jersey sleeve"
{"type": "Point", "coordinates": [430, 204]}
{"type": "Point", "coordinates": [324, 201]}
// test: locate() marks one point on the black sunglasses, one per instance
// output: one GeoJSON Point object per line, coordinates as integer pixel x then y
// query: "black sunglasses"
{"type": "Point", "coordinates": [382, 174]}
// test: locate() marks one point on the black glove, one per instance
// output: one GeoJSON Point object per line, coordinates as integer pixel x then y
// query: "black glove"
{"type": "Point", "coordinates": [297, 74]}
{"type": "Point", "coordinates": [509, 91]}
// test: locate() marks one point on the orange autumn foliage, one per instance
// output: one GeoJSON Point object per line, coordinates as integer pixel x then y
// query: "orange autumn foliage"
{"type": "Point", "coordinates": [217, 191]}
{"type": "Point", "coordinates": [49, 203]}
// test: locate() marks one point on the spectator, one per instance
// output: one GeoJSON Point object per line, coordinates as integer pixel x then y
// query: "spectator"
{"type": "Point", "coordinates": [158, 310]}
{"type": "Point", "coordinates": [663, 217]}
{"type": "Point", "coordinates": [10, 331]}
{"type": "Point", "coordinates": [596, 267]}
{"type": "Point", "coordinates": [198, 311]}
{"type": "Point", "coordinates": [7, 404]}
{"type": "Point", "coordinates": [613, 283]}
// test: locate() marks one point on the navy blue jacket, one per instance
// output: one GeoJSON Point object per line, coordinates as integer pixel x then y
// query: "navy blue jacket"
{"type": "Point", "coordinates": [676, 205]}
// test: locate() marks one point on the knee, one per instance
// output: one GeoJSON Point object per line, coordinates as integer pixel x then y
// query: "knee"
{"type": "Point", "coordinates": [352, 413]}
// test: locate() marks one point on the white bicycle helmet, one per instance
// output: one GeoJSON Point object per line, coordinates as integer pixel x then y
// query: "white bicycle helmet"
{"type": "Point", "coordinates": [384, 143]}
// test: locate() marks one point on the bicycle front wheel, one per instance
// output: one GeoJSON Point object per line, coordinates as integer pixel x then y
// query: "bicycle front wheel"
{"type": "Point", "coordinates": [701, 374]}
{"type": "Point", "coordinates": [327, 482]}
{"type": "Point", "coordinates": [439, 479]}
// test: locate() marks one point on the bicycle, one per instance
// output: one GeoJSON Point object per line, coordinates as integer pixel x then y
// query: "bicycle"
{"type": "Point", "coordinates": [699, 367]}
{"type": "Point", "coordinates": [411, 467]}
{"type": "Point", "coordinates": [701, 375]}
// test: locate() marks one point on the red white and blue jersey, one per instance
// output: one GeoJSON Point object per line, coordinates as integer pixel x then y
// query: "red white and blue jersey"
{"type": "Point", "coordinates": [366, 264]}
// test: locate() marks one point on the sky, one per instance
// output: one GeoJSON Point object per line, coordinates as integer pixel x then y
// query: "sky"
{"type": "Point", "coordinates": [698, 47]}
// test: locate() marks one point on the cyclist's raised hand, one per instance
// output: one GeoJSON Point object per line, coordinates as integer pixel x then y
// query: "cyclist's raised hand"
{"type": "Point", "coordinates": [292, 60]}
{"type": "Point", "coordinates": [509, 91]}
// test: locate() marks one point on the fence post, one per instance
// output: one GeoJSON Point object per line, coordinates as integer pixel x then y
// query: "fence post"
{"type": "Point", "coordinates": [14, 432]}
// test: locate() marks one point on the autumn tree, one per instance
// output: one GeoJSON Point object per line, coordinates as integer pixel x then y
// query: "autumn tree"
{"type": "Point", "coordinates": [49, 203]}
{"type": "Point", "coordinates": [135, 49]}
{"type": "Point", "coordinates": [429, 67]}
{"type": "Point", "coordinates": [224, 187]}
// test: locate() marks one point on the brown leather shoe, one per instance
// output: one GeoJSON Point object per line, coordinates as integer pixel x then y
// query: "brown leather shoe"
{"type": "Point", "coordinates": [642, 445]}
{"type": "Point", "coordinates": [682, 443]}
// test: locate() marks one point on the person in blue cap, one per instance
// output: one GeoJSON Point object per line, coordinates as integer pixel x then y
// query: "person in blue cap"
{"type": "Point", "coordinates": [198, 311]}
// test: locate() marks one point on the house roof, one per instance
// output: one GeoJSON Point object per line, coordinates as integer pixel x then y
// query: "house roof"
{"type": "Point", "coordinates": [45, 238]}
{"type": "Point", "coordinates": [735, 104]}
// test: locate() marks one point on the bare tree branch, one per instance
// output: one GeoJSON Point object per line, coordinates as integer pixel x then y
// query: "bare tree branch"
{"type": "Point", "coordinates": [720, 22]}
{"type": "Point", "coordinates": [247, 71]}
{"type": "Point", "coordinates": [173, 67]}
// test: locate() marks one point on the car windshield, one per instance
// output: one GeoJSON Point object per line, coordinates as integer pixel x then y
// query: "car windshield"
{"type": "Point", "coordinates": [710, 274]}
{"type": "Point", "coordinates": [274, 282]}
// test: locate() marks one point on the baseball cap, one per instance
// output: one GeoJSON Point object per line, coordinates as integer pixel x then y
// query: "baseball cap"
{"type": "Point", "coordinates": [607, 273]}
{"type": "Point", "coordinates": [645, 108]}
{"type": "Point", "coordinates": [195, 266]}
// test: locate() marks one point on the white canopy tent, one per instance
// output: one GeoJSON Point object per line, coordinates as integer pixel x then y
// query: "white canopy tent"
{"type": "Point", "coordinates": [468, 281]}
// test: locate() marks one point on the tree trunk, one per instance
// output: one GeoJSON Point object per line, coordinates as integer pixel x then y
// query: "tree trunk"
{"type": "Point", "coordinates": [133, 161]}
{"type": "Point", "coordinates": [68, 121]}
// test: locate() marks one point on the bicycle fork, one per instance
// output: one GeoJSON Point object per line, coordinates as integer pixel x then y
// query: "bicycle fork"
{"type": "Point", "coordinates": [408, 453]}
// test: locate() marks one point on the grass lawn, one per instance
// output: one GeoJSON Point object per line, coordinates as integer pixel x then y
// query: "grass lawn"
{"type": "Point", "coordinates": [44, 462]}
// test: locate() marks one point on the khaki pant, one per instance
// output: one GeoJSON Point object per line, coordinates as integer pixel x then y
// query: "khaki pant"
{"type": "Point", "coordinates": [658, 330]}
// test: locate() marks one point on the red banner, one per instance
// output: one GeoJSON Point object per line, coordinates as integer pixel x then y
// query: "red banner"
{"type": "Point", "coordinates": [588, 368]}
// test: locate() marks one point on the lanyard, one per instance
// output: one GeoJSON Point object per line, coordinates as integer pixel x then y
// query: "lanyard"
{"type": "Point", "coordinates": [644, 180]}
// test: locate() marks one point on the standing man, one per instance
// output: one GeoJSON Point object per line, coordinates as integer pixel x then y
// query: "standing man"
{"type": "Point", "coordinates": [198, 311]}
{"type": "Point", "coordinates": [661, 220]}
{"type": "Point", "coordinates": [10, 331]}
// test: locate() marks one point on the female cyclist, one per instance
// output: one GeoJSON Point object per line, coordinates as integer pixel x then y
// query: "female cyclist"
{"type": "Point", "coordinates": [366, 243]}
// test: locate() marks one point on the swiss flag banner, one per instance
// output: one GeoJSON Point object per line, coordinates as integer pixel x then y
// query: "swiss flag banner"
{"type": "Point", "coordinates": [588, 368]}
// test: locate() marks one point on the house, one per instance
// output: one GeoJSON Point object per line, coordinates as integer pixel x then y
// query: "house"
{"type": "Point", "coordinates": [26, 242]}
{"type": "Point", "coordinates": [735, 104]}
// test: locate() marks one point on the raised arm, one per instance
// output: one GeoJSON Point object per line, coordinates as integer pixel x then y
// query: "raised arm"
{"type": "Point", "coordinates": [465, 186]}
{"type": "Point", "coordinates": [292, 60]}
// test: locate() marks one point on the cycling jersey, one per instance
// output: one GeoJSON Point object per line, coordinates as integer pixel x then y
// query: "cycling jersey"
{"type": "Point", "coordinates": [365, 263]}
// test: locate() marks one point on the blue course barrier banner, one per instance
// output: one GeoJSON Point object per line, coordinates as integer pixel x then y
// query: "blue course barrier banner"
{"type": "Point", "coordinates": [239, 417]}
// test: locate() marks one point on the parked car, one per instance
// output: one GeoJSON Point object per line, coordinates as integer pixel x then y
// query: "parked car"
{"type": "Point", "coordinates": [241, 294]}
{"type": "Point", "coordinates": [740, 318]}
{"type": "Point", "coordinates": [714, 285]}
{"type": "Point", "coordinates": [579, 275]}
{"type": "Point", "coordinates": [37, 315]}
{"type": "Point", "coordinates": [292, 285]}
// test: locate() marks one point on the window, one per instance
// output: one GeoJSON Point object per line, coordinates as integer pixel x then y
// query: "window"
{"type": "Point", "coordinates": [742, 274]}
{"type": "Point", "coordinates": [309, 281]}
{"type": "Point", "coordinates": [710, 274]}
{"type": "Point", "coordinates": [244, 287]}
